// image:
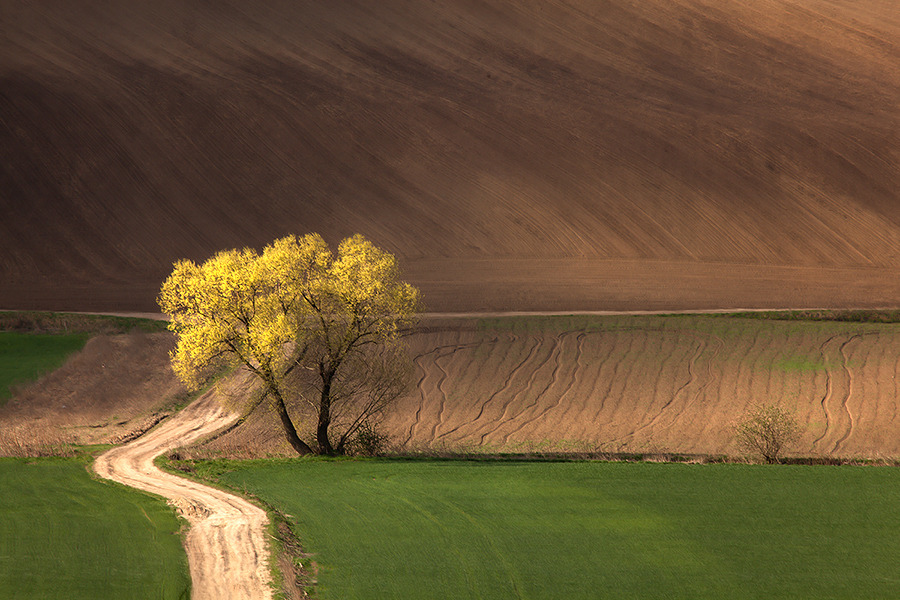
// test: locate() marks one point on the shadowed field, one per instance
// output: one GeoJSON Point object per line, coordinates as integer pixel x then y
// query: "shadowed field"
{"type": "Point", "coordinates": [26, 357]}
{"type": "Point", "coordinates": [515, 155]}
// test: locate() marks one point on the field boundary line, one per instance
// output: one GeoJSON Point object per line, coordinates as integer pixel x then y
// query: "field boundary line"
{"type": "Point", "coordinates": [488, 314]}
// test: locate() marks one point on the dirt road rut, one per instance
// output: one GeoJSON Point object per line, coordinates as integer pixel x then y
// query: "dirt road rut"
{"type": "Point", "coordinates": [226, 544]}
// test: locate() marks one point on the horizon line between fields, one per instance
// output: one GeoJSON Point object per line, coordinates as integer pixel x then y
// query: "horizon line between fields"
{"type": "Point", "coordinates": [513, 313]}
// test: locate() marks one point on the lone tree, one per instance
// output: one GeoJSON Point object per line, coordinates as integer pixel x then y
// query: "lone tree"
{"type": "Point", "coordinates": [311, 326]}
{"type": "Point", "coordinates": [767, 430]}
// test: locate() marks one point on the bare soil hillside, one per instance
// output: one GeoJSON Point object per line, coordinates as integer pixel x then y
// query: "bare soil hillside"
{"type": "Point", "coordinates": [632, 384]}
{"type": "Point", "coordinates": [617, 383]}
{"type": "Point", "coordinates": [115, 388]}
{"type": "Point", "coordinates": [515, 155]}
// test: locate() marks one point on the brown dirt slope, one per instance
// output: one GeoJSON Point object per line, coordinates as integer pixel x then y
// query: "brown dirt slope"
{"type": "Point", "coordinates": [516, 155]}
{"type": "Point", "coordinates": [617, 383]}
{"type": "Point", "coordinates": [633, 384]}
{"type": "Point", "coordinates": [114, 388]}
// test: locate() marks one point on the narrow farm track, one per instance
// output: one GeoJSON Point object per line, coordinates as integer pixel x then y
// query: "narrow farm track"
{"type": "Point", "coordinates": [838, 420]}
{"type": "Point", "coordinates": [226, 544]}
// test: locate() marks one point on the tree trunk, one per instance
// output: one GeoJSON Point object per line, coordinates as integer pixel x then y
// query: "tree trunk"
{"type": "Point", "coordinates": [324, 418]}
{"type": "Point", "coordinates": [290, 432]}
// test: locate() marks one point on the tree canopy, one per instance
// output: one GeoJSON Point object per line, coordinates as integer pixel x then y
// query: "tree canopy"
{"type": "Point", "coordinates": [298, 312]}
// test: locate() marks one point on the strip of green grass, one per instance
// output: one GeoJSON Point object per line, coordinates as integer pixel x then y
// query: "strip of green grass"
{"type": "Point", "coordinates": [50, 322]}
{"type": "Point", "coordinates": [849, 316]}
{"type": "Point", "coordinates": [25, 357]}
{"type": "Point", "coordinates": [497, 530]}
{"type": "Point", "coordinates": [65, 535]}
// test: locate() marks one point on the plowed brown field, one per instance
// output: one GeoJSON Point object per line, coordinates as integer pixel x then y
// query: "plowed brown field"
{"type": "Point", "coordinates": [642, 384]}
{"type": "Point", "coordinates": [515, 155]}
{"type": "Point", "coordinates": [617, 383]}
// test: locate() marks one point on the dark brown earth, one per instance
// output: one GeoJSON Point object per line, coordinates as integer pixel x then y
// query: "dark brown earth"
{"type": "Point", "coordinates": [515, 155]}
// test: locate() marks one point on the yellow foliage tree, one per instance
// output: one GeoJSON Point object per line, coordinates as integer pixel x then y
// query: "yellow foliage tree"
{"type": "Point", "coordinates": [296, 312]}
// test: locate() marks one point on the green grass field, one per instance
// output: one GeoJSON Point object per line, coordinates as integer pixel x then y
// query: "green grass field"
{"type": "Point", "coordinates": [415, 530]}
{"type": "Point", "coordinates": [25, 357]}
{"type": "Point", "coordinates": [65, 535]}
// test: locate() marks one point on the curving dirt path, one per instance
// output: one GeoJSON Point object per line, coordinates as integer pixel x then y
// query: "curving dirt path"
{"type": "Point", "coordinates": [226, 544]}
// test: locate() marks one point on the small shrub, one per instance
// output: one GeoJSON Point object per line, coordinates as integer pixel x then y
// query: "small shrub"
{"type": "Point", "coordinates": [369, 441]}
{"type": "Point", "coordinates": [767, 430]}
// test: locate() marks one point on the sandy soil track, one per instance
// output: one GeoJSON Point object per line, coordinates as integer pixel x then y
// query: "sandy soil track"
{"type": "Point", "coordinates": [226, 542]}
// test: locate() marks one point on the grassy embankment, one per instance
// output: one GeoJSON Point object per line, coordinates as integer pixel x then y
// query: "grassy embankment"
{"type": "Point", "coordinates": [65, 535]}
{"type": "Point", "coordinates": [498, 530]}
